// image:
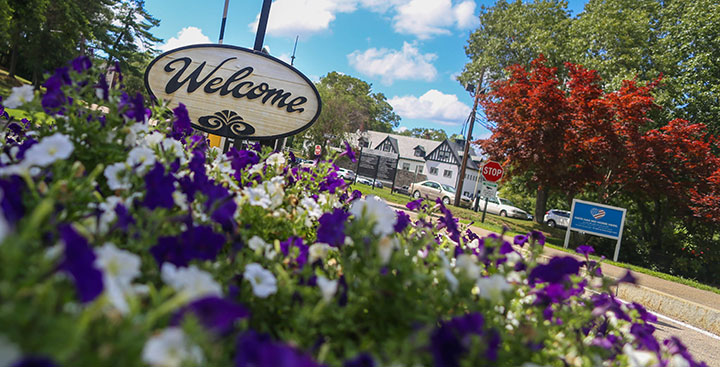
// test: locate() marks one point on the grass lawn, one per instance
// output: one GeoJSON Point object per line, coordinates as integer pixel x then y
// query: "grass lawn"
{"type": "Point", "coordinates": [7, 83]}
{"type": "Point", "coordinates": [554, 237]}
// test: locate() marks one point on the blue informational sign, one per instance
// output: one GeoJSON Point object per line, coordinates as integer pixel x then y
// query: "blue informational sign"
{"type": "Point", "coordinates": [601, 220]}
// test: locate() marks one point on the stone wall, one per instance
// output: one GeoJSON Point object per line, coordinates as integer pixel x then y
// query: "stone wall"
{"type": "Point", "coordinates": [405, 178]}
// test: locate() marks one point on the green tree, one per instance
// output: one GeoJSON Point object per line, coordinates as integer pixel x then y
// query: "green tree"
{"type": "Point", "coordinates": [349, 105]}
{"type": "Point", "coordinates": [425, 133]}
{"type": "Point", "coordinates": [127, 37]}
{"type": "Point", "coordinates": [515, 33]}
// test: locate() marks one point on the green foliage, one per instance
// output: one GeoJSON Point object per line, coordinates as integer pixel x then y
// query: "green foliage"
{"type": "Point", "coordinates": [516, 32]}
{"type": "Point", "coordinates": [349, 105]}
{"type": "Point", "coordinates": [425, 133]}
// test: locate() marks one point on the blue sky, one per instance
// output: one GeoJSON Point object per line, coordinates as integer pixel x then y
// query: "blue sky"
{"type": "Point", "coordinates": [409, 50]}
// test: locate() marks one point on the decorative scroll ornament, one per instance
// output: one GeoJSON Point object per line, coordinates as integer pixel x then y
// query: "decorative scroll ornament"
{"type": "Point", "coordinates": [225, 123]}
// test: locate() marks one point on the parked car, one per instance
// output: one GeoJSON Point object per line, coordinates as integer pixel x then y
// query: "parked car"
{"type": "Point", "coordinates": [504, 208]}
{"type": "Point", "coordinates": [405, 190]}
{"type": "Point", "coordinates": [369, 182]}
{"type": "Point", "coordinates": [348, 175]}
{"type": "Point", "coordinates": [433, 190]}
{"type": "Point", "coordinates": [557, 218]}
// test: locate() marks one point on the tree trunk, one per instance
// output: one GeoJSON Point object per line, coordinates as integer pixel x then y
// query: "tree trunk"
{"type": "Point", "coordinates": [13, 60]}
{"type": "Point", "coordinates": [540, 204]}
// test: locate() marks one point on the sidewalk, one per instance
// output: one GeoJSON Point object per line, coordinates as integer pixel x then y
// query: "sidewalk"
{"type": "Point", "coordinates": [693, 306]}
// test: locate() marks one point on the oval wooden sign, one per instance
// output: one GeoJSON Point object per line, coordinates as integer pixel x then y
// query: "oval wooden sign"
{"type": "Point", "coordinates": [235, 92]}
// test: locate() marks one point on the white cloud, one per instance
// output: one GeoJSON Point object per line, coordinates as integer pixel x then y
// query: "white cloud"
{"type": "Point", "coordinates": [284, 57]}
{"type": "Point", "coordinates": [434, 105]}
{"type": "Point", "coordinates": [391, 65]}
{"type": "Point", "coordinates": [303, 17]}
{"type": "Point", "coordinates": [427, 18]}
{"type": "Point", "coordinates": [401, 129]}
{"type": "Point", "coordinates": [421, 18]}
{"type": "Point", "coordinates": [187, 36]}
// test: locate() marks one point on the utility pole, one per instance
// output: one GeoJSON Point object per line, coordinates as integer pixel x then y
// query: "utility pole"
{"type": "Point", "coordinates": [217, 140]}
{"type": "Point", "coordinates": [463, 166]}
{"type": "Point", "coordinates": [292, 58]}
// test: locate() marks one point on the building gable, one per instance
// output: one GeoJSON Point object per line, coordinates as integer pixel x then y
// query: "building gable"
{"type": "Point", "coordinates": [444, 153]}
{"type": "Point", "coordinates": [389, 144]}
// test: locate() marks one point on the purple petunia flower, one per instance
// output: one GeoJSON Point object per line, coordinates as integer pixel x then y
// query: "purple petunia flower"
{"type": "Point", "coordinates": [134, 108]}
{"type": "Point", "coordinates": [331, 228]}
{"type": "Point", "coordinates": [349, 152]}
{"type": "Point", "coordinates": [54, 97]}
{"type": "Point", "coordinates": [216, 314]}
{"type": "Point", "coordinates": [257, 350]}
{"type": "Point", "coordinates": [35, 361]}
{"type": "Point", "coordinates": [79, 263]}
{"type": "Point", "coordinates": [11, 204]}
{"type": "Point", "coordinates": [448, 222]}
{"type": "Point", "coordinates": [124, 219]}
{"type": "Point", "coordinates": [221, 204]}
{"type": "Point", "coordinates": [332, 183]}
{"type": "Point", "coordinates": [643, 334]}
{"type": "Point", "coordinates": [450, 341]}
{"type": "Point", "coordinates": [493, 345]}
{"type": "Point", "coordinates": [181, 127]}
{"type": "Point", "coordinates": [403, 220]}
{"type": "Point", "coordinates": [585, 250]}
{"type": "Point", "coordinates": [160, 187]}
{"type": "Point", "coordinates": [362, 360]}
{"type": "Point", "coordinates": [241, 159]}
{"type": "Point", "coordinates": [303, 249]}
{"type": "Point", "coordinates": [557, 270]}
{"type": "Point", "coordinates": [414, 205]}
{"type": "Point", "coordinates": [537, 237]}
{"type": "Point", "coordinates": [520, 240]}
{"type": "Point", "coordinates": [102, 87]}
{"type": "Point", "coordinates": [197, 242]}
{"type": "Point", "coordinates": [81, 63]}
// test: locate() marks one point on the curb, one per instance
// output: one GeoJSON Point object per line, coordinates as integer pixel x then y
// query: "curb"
{"type": "Point", "coordinates": [680, 309]}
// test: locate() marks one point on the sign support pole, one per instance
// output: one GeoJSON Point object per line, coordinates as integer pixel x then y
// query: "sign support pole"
{"type": "Point", "coordinates": [216, 140]}
{"type": "Point", "coordinates": [482, 220]}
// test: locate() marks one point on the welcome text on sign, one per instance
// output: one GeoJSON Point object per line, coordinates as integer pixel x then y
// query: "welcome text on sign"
{"type": "Point", "coordinates": [276, 96]}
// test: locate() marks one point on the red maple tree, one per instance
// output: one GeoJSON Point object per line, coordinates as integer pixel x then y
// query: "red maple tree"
{"type": "Point", "coordinates": [573, 136]}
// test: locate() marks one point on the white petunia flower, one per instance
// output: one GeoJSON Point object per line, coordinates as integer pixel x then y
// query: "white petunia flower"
{"type": "Point", "coordinates": [154, 139]}
{"type": "Point", "coordinates": [256, 168]}
{"type": "Point", "coordinates": [19, 96]}
{"type": "Point", "coordinates": [170, 348]}
{"type": "Point", "coordinates": [9, 352]}
{"type": "Point", "coordinates": [173, 146]}
{"type": "Point", "coordinates": [473, 244]}
{"type": "Point", "coordinates": [311, 207]}
{"type": "Point", "coordinates": [275, 159]}
{"type": "Point", "coordinates": [276, 194]}
{"type": "Point", "coordinates": [135, 133]}
{"type": "Point", "coordinates": [263, 281]}
{"type": "Point", "coordinates": [119, 269]}
{"type": "Point", "coordinates": [116, 176]}
{"type": "Point", "coordinates": [639, 358]}
{"type": "Point", "coordinates": [191, 280]}
{"type": "Point", "coordinates": [256, 243]}
{"type": "Point", "coordinates": [327, 287]}
{"type": "Point", "coordinates": [141, 158]}
{"type": "Point", "coordinates": [318, 251]}
{"type": "Point", "coordinates": [374, 209]}
{"type": "Point", "coordinates": [493, 287]}
{"type": "Point", "coordinates": [180, 200]}
{"type": "Point", "coordinates": [257, 196]}
{"type": "Point", "coordinates": [452, 280]}
{"type": "Point", "coordinates": [386, 246]}
{"type": "Point", "coordinates": [50, 149]}
{"type": "Point", "coordinates": [468, 264]}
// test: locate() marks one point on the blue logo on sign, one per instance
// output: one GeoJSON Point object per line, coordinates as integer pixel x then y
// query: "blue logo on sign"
{"type": "Point", "coordinates": [595, 219]}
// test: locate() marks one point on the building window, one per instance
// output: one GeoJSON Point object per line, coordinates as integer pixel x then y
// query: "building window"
{"type": "Point", "coordinates": [406, 166]}
{"type": "Point", "coordinates": [447, 173]}
{"type": "Point", "coordinates": [386, 147]}
{"type": "Point", "coordinates": [419, 153]}
{"type": "Point", "coordinates": [433, 170]}
{"type": "Point", "coordinates": [420, 169]}
{"type": "Point", "coordinates": [364, 143]}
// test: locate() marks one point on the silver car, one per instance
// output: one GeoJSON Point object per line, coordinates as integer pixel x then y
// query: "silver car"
{"type": "Point", "coordinates": [557, 218]}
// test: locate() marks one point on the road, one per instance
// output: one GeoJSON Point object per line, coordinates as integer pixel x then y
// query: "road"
{"type": "Point", "coordinates": [704, 346]}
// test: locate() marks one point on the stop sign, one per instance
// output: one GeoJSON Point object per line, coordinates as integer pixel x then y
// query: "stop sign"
{"type": "Point", "coordinates": [492, 171]}
{"type": "Point", "coordinates": [318, 149]}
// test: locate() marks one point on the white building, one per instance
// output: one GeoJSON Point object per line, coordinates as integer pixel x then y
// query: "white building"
{"type": "Point", "coordinates": [443, 165]}
{"type": "Point", "coordinates": [411, 151]}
